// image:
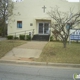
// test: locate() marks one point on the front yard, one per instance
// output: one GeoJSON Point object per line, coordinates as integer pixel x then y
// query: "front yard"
{"type": "Point", "coordinates": [54, 52]}
{"type": "Point", "coordinates": [7, 45]}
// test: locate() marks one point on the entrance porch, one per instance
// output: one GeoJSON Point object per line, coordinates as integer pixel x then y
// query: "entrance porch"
{"type": "Point", "coordinates": [43, 30]}
{"type": "Point", "coordinates": [43, 26]}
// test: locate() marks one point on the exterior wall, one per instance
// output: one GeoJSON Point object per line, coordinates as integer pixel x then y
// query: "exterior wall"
{"type": "Point", "coordinates": [28, 11]}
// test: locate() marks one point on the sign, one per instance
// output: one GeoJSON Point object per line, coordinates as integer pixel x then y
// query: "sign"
{"type": "Point", "coordinates": [75, 34]}
{"type": "Point", "coordinates": [76, 76]}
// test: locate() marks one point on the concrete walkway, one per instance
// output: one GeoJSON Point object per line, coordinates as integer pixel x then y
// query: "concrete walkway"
{"type": "Point", "coordinates": [1, 39]}
{"type": "Point", "coordinates": [26, 52]}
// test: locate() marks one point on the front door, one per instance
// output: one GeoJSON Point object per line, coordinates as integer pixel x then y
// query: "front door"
{"type": "Point", "coordinates": [43, 28]}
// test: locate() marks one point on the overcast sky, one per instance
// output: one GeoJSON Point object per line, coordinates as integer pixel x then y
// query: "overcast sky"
{"type": "Point", "coordinates": [67, 0]}
{"type": "Point", "coordinates": [73, 0]}
{"type": "Point", "coordinates": [16, 0]}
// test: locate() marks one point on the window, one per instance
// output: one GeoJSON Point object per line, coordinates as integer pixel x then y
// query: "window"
{"type": "Point", "coordinates": [19, 24]}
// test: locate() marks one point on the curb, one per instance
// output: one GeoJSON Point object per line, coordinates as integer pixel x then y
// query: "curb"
{"type": "Point", "coordinates": [41, 63]}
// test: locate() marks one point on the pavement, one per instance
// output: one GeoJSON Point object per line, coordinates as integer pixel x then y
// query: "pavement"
{"type": "Point", "coordinates": [25, 52]}
{"type": "Point", "coordinates": [28, 72]}
{"type": "Point", "coordinates": [1, 38]}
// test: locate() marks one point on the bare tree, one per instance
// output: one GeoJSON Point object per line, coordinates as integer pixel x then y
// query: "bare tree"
{"type": "Point", "coordinates": [63, 22]}
{"type": "Point", "coordinates": [6, 10]}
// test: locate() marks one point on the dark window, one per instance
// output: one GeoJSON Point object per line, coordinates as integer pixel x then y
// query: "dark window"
{"type": "Point", "coordinates": [19, 24]}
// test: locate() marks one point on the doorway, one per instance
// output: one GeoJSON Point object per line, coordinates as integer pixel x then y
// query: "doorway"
{"type": "Point", "coordinates": [43, 28]}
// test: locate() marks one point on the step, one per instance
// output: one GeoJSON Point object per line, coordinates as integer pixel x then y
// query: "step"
{"type": "Point", "coordinates": [41, 37]}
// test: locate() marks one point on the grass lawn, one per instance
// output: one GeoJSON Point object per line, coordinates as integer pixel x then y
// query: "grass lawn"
{"type": "Point", "coordinates": [54, 52]}
{"type": "Point", "coordinates": [7, 45]}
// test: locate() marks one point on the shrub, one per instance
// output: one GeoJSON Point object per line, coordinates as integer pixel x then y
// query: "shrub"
{"type": "Point", "coordinates": [51, 38]}
{"type": "Point", "coordinates": [22, 37]}
{"type": "Point", "coordinates": [28, 37]}
{"type": "Point", "coordinates": [16, 37]}
{"type": "Point", "coordinates": [10, 37]}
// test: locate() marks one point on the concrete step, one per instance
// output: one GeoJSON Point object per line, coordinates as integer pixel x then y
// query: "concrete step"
{"type": "Point", "coordinates": [41, 37]}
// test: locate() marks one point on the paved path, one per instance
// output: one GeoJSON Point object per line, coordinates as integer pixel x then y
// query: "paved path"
{"type": "Point", "coordinates": [27, 51]}
{"type": "Point", "coordinates": [1, 39]}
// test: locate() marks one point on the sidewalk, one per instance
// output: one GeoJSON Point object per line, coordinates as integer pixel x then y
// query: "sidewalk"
{"type": "Point", "coordinates": [25, 52]}
{"type": "Point", "coordinates": [1, 38]}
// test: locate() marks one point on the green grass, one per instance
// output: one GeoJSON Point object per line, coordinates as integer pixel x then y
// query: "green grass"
{"type": "Point", "coordinates": [7, 45]}
{"type": "Point", "coordinates": [54, 52]}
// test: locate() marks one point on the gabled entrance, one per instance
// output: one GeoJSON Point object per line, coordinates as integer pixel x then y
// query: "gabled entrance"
{"type": "Point", "coordinates": [43, 30]}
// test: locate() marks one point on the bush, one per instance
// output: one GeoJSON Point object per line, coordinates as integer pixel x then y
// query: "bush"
{"type": "Point", "coordinates": [22, 37]}
{"type": "Point", "coordinates": [28, 37]}
{"type": "Point", "coordinates": [10, 37]}
{"type": "Point", "coordinates": [51, 38]}
{"type": "Point", "coordinates": [16, 37]}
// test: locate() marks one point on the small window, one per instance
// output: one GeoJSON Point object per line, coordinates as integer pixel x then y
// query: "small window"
{"type": "Point", "coordinates": [19, 24]}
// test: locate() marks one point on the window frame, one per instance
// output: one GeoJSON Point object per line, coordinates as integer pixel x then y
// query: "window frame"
{"type": "Point", "coordinates": [19, 24]}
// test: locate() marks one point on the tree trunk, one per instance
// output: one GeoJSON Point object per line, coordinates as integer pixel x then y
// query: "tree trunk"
{"type": "Point", "coordinates": [64, 42]}
{"type": "Point", "coordinates": [3, 30]}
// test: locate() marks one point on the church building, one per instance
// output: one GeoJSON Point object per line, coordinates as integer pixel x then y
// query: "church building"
{"type": "Point", "coordinates": [30, 16]}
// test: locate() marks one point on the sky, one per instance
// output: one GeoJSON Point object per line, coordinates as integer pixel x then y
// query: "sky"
{"type": "Point", "coordinates": [17, 0]}
{"type": "Point", "coordinates": [73, 0]}
{"type": "Point", "coordinates": [67, 0]}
